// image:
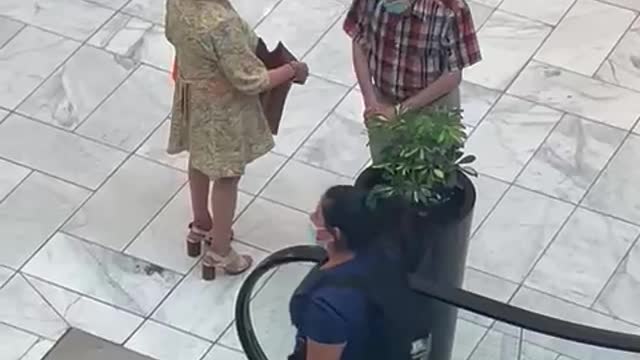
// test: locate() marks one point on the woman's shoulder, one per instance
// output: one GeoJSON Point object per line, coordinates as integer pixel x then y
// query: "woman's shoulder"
{"type": "Point", "coordinates": [206, 16]}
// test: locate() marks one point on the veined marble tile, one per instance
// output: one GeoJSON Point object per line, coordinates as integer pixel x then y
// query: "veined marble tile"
{"type": "Point", "coordinates": [256, 226]}
{"type": "Point", "coordinates": [301, 186]}
{"type": "Point", "coordinates": [32, 213]}
{"type": "Point", "coordinates": [579, 262]}
{"type": "Point", "coordinates": [486, 285]}
{"type": "Point", "coordinates": [27, 60]}
{"type": "Point", "coordinates": [306, 107]}
{"type": "Point", "coordinates": [135, 38]}
{"type": "Point", "coordinates": [480, 13]}
{"type": "Point", "coordinates": [498, 345]}
{"type": "Point", "coordinates": [571, 158]}
{"type": "Point", "coordinates": [467, 337]}
{"type": "Point", "coordinates": [548, 11]}
{"type": "Point", "coordinates": [615, 192]}
{"type": "Point", "coordinates": [476, 102]}
{"type": "Point", "coordinates": [39, 350]}
{"type": "Point", "coordinates": [253, 11]}
{"type": "Point", "coordinates": [578, 94]}
{"type": "Point", "coordinates": [151, 10]}
{"type": "Point", "coordinates": [126, 203]}
{"type": "Point", "coordinates": [10, 176]}
{"type": "Point", "coordinates": [8, 29]}
{"type": "Point", "coordinates": [3, 113]}
{"type": "Point", "coordinates": [631, 4]}
{"type": "Point", "coordinates": [205, 308]}
{"type": "Point", "coordinates": [164, 343]}
{"type": "Point", "coordinates": [550, 306]}
{"type": "Point", "coordinates": [624, 286]}
{"type": "Point", "coordinates": [76, 19]}
{"type": "Point", "coordinates": [508, 42]}
{"type": "Point", "coordinates": [155, 148]}
{"type": "Point", "coordinates": [509, 136]}
{"type": "Point", "coordinates": [331, 57]}
{"type": "Point", "coordinates": [259, 172]}
{"type": "Point", "coordinates": [5, 274]}
{"type": "Point", "coordinates": [600, 23]}
{"type": "Point", "coordinates": [340, 144]}
{"type": "Point", "coordinates": [488, 192]}
{"type": "Point", "coordinates": [103, 274]}
{"type": "Point", "coordinates": [163, 241]}
{"type": "Point", "coordinates": [81, 161]}
{"type": "Point", "coordinates": [299, 24]}
{"type": "Point", "coordinates": [14, 343]}
{"type": "Point", "coordinates": [87, 314]}
{"type": "Point", "coordinates": [112, 4]}
{"type": "Point", "coordinates": [221, 353]}
{"type": "Point", "coordinates": [76, 89]}
{"type": "Point", "coordinates": [622, 67]}
{"type": "Point", "coordinates": [22, 307]}
{"type": "Point", "coordinates": [513, 232]}
{"type": "Point", "coordinates": [135, 110]}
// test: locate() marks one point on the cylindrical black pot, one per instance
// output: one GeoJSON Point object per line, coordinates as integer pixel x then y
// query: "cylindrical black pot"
{"type": "Point", "coordinates": [442, 240]}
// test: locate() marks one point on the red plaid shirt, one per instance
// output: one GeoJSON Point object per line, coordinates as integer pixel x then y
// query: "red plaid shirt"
{"type": "Point", "coordinates": [409, 52]}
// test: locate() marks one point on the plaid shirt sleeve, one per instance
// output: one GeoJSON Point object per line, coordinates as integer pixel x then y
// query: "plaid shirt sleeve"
{"type": "Point", "coordinates": [355, 23]}
{"type": "Point", "coordinates": [465, 50]}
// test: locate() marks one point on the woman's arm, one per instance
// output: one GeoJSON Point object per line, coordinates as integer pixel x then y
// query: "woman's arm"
{"type": "Point", "coordinates": [318, 351]}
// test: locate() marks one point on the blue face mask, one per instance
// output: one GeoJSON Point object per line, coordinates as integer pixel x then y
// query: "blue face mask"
{"type": "Point", "coordinates": [396, 6]}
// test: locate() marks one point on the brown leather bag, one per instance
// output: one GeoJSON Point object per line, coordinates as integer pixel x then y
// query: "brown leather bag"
{"type": "Point", "coordinates": [273, 101]}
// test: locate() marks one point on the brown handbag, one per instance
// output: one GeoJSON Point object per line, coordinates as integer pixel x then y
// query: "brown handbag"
{"type": "Point", "coordinates": [273, 101]}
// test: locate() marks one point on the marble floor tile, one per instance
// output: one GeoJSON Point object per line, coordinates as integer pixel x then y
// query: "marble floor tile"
{"type": "Point", "coordinates": [112, 277]}
{"type": "Point", "coordinates": [301, 186]}
{"type": "Point", "coordinates": [3, 114]}
{"type": "Point", "coordinates": [578, 94]}
{"type": "Point", "coordinates": [126, 203]}
{"type": "Point", "coordinates": [615, 192]}
{"type": "Point", "coordinates": [80, 161]}
{"type": "Point", "coordinates": [547, 11]}
{"type": "Point", "coordinates": [259, 172]}
{"type": "Point", "coordinates": [508, 42]}
{"type": "Point", "coordinates": [630, 4]}
{"type": "Point", "coordinates": [298, 24]}
{"type": "Point", "coordinates": [569, 161]}
{"type": "Point", "coordinates": [306, 107]}
{"type": "Point", "coordinates": [221, 353]}
{"type": "Point", "coordinates": [467, 337]}
{"type": "Point", "coordinates": [5, 274]}
{"type": "Point", "coordinates": [21, 306]}
{"type": "Point", "coordinates": [204, 308]}
{"type": "Point", "coordinates": [551, 306]}
{"type": "Point", "coordinates": [488, 192]}
{"type": "Point", "coordinates": [622, 67]}
{"type": "Point", "coordinates": [155, 148]}
{"type": "Point", "coordinates": [137, 39]}
{"type": "Point", "coordinates": [331, 57]}
{"type": "Point", "coordinates": [27, 60]}
{"type": "Point", "coordinates": [87, 314]}
{"type": "Point", "coordinates": [111, 4]}
{"type": "Point", "coordinates": [476, 102]}
{"type": "Point", "coordinates": [500, 346]}
{"type": "Point", "coordinates": [76, 89]}
{"type": "Point", "coordinates": [14, 343]}
{"type": "Point", "coordinates": [39, 350]}
{"type": "Point", "coordinates": [8, 29]}
{"type": "Point", "coordinates": [486, 285]}
{"type": "Point", "coordinates": [509, 137]}
{"type": "Point", "coordinates": [151, 10]}
{"type": "Point", "coordinates": [480, 13]}
{"type": "Point", "coordinates": [253, 11]}
{"type": "Point", "coordinates": [340, 144]}
{"type": "Point", "coordinates": [32, 213]}
{"type": "Point", "coordinates": [11, 175]}
{"type": "Point", "coordinates": [164, 343]}
{"type": "Point", "coordinates": [489, 3]}
{"type": "Point", "coordinates": [133, 112]}
{"type": "Point", "coordinates": [512, 232]}
{"type": "Point", "coordinates": [162, 242]}
{"type": "Point", "coordinates": [584, 255]}
{"type": "Point", "coordinates": [623, 286]}
{"type": "Point", "coordinates": [271, 226]}
{"type": "Point", "coordinates": [601, 23]}
{"type": "Point", "coordinates": [76, 19]}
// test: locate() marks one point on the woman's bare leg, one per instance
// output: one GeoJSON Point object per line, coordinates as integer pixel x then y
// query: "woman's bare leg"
{"type": "Point", "coordinates": [199, 184]}
{"type": "Point", "coordinates": [223, 202]}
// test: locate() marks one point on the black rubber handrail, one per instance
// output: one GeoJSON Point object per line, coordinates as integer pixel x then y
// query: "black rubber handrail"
{"type": "Point", "coordinates": [456, 297]}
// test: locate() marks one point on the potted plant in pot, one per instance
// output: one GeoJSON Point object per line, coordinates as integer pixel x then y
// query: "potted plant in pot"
{"type": "Point", "coordinates": [425, 167]}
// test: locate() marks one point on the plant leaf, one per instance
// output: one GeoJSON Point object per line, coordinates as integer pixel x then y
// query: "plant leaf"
{"type": "Point", "coordinates": [467, 160]}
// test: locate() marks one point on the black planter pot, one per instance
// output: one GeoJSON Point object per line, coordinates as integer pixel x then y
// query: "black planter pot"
{"type": "Point", "coordinates": [441, 241]}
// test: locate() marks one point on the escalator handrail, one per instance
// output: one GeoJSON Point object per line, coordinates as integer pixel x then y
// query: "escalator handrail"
{"type": "Point", "coordinates": [460, 298]}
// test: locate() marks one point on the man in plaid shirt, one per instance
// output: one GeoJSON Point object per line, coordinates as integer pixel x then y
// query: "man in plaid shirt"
{"type": "Point", "coordinates": [410, 53]}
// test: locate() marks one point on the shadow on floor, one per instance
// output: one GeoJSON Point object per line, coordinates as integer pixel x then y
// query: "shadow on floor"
{"type": "Point", "coordinates": [78, 345]}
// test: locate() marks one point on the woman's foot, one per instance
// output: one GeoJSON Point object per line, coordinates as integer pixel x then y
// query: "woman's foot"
{"type": "Point", "coordinates": [232, 264]}
{"type": "Point", "coordinates": [196, 238]}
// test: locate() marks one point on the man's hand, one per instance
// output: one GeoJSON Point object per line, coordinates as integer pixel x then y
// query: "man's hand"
{"type": "Point", "coordinates": [375, 108]}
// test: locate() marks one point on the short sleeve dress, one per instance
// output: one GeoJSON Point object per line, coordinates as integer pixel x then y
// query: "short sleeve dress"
{"type": "Point", "coordinates": [216, 115]}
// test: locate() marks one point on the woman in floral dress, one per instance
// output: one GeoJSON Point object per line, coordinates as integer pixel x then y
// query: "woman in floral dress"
{"type": "Point", "coordinates": [217, 117]}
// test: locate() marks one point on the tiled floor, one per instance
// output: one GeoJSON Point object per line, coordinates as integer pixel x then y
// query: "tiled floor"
{"type": "Point", "coordinates": [92, 211]}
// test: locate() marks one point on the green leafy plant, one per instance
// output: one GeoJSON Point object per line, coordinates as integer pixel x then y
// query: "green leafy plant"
{"type": "Point", "coordinates": [423, 158]}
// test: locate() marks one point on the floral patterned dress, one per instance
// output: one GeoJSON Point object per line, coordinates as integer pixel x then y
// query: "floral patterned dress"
{"type": "Point", "coordinates": [216, 116]}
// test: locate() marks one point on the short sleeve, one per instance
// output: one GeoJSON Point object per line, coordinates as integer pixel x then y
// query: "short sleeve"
{"type": "Point", "coordinates": [323, 324]}
{"type": "Point", "coordinates": [464, 50]}
{"type": "Point", "coordinates": [237, 58]}
{"type": "Point", "coordinates": [355, 23]}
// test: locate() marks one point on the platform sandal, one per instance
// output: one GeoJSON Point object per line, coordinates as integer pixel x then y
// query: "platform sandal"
{"type": "Point", "coordinates": [232, 264]}
{"type": "Point", "coordinates": [196, 238]}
